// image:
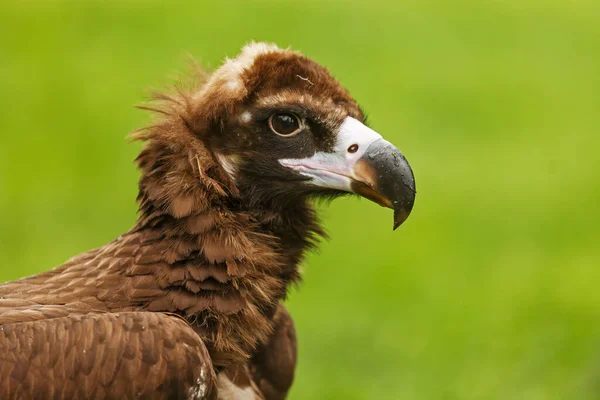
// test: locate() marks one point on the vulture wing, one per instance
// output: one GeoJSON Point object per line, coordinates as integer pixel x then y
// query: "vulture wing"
{"type": "Point", "coordinates": [272, 365]}
{"type": "Point", "coordinates": [51, 352]}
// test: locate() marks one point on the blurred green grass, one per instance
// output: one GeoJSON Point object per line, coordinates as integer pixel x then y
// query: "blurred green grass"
{"type": "Point", "coordinates": [489, 291]}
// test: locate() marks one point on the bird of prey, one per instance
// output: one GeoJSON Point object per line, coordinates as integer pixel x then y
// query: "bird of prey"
{"type": "Point", "coordinates": [188, 303]}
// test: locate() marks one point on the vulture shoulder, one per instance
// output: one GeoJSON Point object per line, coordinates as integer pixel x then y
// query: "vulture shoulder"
{"type": "Point", "coordinates": [273, 364]}
{"type": "Point", "coordinates": [129, 355]}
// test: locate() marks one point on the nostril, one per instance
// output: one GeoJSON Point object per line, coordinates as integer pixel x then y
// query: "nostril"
{"type": "Point", "coordinates": [353, 148]}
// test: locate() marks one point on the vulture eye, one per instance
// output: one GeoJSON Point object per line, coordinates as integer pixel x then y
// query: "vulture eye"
{"type": "Point", "coordinates": [284, 124]}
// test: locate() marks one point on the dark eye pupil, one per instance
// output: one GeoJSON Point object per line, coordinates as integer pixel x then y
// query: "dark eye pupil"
{"type": "Point", "coordinates": [284, 124]}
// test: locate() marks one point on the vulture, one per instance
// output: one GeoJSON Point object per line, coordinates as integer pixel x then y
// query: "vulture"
{"type": "Point", "coordinates": [188, 303]}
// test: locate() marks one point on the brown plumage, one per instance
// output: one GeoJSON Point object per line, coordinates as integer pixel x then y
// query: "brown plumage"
{"type": "Point", "coordinates": [187, 304]}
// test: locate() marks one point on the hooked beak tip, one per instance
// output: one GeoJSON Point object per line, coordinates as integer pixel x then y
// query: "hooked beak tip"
{"type": "Point", "coordinates": [400, 215]}
{"type": "Point", "coordinates": [387, 178]}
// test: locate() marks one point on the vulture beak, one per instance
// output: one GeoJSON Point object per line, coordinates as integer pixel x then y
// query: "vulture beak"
{"type": "Point", "coordinates": [364, 163]}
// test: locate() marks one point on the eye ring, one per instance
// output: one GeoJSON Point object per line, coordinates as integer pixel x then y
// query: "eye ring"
{"type": "Point", "coordinates": [285, 124]}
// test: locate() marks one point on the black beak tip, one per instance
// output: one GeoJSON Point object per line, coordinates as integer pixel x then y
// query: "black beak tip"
{"type": "Point", "coordinates": [400, 215]}
{"type": "Point", "coordinates": [392, 179]}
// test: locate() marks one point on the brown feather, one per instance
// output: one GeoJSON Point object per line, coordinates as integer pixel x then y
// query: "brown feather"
{"type": "Point", "coordinates": [79, 355]}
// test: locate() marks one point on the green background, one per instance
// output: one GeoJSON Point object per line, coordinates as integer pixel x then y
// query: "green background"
{"type": "Point", "coordinates": [489, 291]}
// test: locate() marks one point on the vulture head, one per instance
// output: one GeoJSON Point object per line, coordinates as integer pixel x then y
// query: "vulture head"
{"type": "Point", "coordinates": [270, 128]}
